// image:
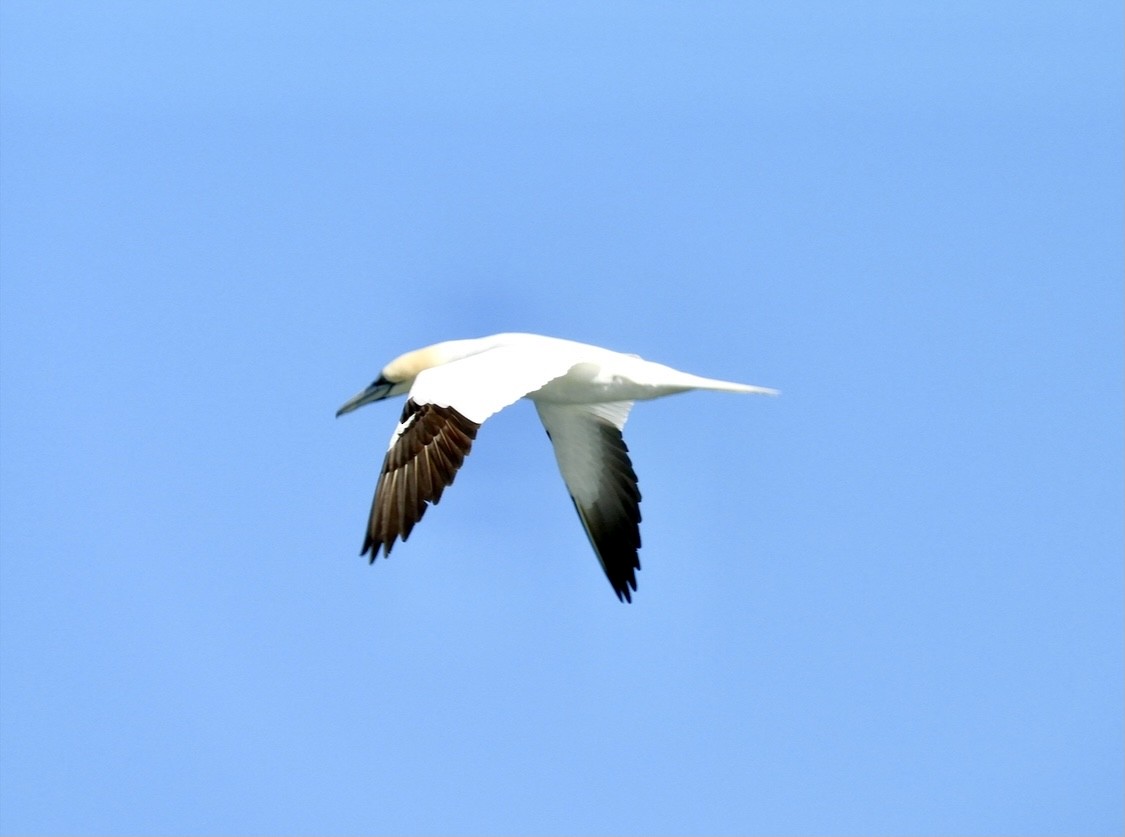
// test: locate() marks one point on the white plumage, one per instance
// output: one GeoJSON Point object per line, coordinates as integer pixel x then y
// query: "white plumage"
{"type": "Point", "coordinates": [583, 394]}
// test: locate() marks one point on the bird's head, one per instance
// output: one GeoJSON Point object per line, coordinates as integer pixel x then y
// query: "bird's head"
{"type": "Point", "coordinates": [398, 376]}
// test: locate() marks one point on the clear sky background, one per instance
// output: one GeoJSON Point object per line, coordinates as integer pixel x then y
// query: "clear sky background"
{"type": "Point", "coordinates": [889, 601]}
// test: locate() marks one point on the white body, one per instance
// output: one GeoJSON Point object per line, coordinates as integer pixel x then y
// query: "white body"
{"type": "Point", "coordinates": [483, 375]}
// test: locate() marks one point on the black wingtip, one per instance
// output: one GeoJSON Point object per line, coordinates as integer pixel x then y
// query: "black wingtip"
{"type": "Point", "coordinates": [373, 547]}
{"type": "Point", "coordinates": [624, 587]}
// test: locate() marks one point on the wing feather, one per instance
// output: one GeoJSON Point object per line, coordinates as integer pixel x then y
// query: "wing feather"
{"type": "Point", "coordinates": [599, 475]}
{"type": "Point", "coordinates": [430, 445]}
{"type": "Point", "coordinates": [445, 409]}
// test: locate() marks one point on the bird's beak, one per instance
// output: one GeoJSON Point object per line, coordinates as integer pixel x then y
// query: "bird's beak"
{"type": "Point", "coordinates": [378, 390]}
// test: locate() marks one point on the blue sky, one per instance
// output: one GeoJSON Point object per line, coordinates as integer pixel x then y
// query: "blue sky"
{"type": "Point", "coordinates": [889, 601]}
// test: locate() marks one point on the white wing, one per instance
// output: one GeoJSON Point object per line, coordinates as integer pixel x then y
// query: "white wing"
{"type": "Point", "coordinates": [446, 406]}
{"type": "Point", "coordinates": [594, 461]}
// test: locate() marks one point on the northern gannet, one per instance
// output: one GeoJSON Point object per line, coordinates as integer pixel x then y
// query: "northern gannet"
{"type": "Point", "coordinates": [583, 394]}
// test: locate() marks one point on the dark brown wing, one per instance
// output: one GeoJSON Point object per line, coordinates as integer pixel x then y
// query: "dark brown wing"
{"type": "Point", "coordinates": [429, 446]}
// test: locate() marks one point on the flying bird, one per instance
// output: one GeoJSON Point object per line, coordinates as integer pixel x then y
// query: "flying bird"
{"type": "Point", "coordinates": [583, 394]}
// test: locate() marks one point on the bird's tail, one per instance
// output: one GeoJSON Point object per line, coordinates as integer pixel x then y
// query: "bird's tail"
{"type": "Point", "coordinates": [731, 386]}
{"type": "Point", "coordinates": [727, 386]}
{"type": "Point", "coordinates": [664, 380]}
